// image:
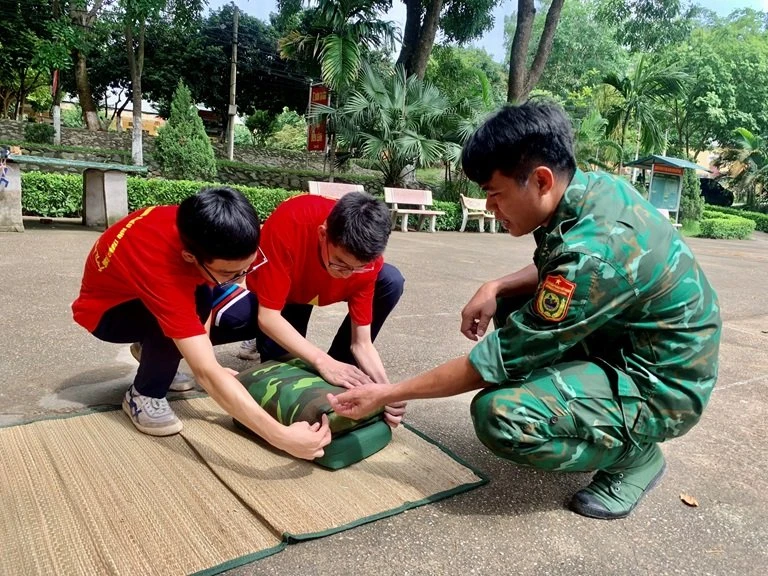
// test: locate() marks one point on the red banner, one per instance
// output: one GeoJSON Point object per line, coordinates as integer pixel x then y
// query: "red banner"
{"type": "Point", "coordinates": [316, 138]}
{"type": "Point", "coordinates": [664, 169]}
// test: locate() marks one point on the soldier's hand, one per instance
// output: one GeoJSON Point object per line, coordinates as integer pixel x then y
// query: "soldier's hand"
{"type": "Point", "coordinates": [304, 440]}
{"type": "Point", "coordinates": [478, 312]}
{"type": "Point", "coordinates": [358, 402]}
{"type": "Point", "coordinates": [341, 374]}
{"type": "Point", "coordinates": [393, 413]}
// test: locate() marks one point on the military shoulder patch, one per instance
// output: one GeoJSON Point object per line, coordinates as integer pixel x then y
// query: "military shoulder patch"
{"type": "Point", "coordinates": [554, 298]}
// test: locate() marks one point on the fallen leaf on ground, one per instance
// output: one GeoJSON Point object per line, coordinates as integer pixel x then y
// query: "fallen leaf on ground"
{"type": "Point", "coordinates": [689, 500]}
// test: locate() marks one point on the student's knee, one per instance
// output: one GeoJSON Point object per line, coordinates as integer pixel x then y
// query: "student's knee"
{"type": "Point", "coordinates": [390, 283]}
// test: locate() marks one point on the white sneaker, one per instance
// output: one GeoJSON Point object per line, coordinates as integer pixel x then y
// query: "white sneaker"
{"type": "Point", "coordinates": [248, 350]}
{"type": "Point", "coordinates": [152, 416]}
{"type": "Point", "coordinates": [181, 382]}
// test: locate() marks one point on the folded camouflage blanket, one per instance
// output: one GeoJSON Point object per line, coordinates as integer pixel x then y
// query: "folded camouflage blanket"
{"type": "Point", "coordinates": [292, 392]}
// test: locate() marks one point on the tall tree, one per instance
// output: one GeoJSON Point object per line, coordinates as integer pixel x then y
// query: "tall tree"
{"type": "Point", "coordinates": [647, 25]}
{"type": "Point", "coordinates": [523, 79]}
{"type": "Point", "coordinates": [579, 32]}
{"type": "Point", "coordinates": [459, 20]}
{"type": "Point", "coordinates": [136, 15]}
{"type": "Point", "coordinates": [84, 15]}
{"type": "Point", "coordinates": [454, 70]}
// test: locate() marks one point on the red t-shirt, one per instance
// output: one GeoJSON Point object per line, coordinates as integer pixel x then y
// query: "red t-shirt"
{"type": "Point", "coordinates": [140, 258]}
{"type": "Point", "coordinates": [295, 274]}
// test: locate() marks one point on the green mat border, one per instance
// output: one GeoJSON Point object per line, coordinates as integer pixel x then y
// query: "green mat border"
{"type": "Point", "coordinates": [289, 538]}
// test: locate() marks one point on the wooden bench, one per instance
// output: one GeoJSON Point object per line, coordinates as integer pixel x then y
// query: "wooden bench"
{"type": "Point", "coordinates": [397, 197]}
{"type": "Point", "coordinates": [105, 190]}
{"type": "Point", "coordinates": [333, 189]}
{"type": "Point", "coordinates": [474, 209]}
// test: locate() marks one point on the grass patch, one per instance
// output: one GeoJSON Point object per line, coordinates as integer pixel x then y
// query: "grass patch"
{"type": "Point", "coordinates": [690, 229]}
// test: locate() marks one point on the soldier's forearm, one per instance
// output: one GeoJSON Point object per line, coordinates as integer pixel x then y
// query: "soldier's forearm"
{"type": "Point", "coordinates": [454, 377]}
{"type": "Point", "coordinates": [519, 283]}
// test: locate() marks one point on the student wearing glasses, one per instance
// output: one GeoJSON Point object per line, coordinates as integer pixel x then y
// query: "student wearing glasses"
{"type": "Point", "coordinates": [320, 251]}
{"type": "Point", "coordinates": [148, 279]}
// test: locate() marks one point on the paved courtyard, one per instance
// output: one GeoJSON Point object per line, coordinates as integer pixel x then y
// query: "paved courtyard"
{"type": "Point", "coordinates": [517, 524]}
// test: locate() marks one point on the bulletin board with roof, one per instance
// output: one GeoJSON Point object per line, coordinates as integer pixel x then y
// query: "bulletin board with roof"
{"type": "Point", "coordinates": [666, 181]}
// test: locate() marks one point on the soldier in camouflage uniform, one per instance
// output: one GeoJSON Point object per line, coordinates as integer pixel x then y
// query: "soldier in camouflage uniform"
{"type": "Point", "coordinates": [605, 346]}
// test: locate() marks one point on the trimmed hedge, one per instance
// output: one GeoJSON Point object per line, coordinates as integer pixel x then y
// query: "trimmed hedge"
{"type": "Point", "coordinates": [725, 226]}
{"type": "Point", "coordinates": [760, 220]}
{"type": "Point", "coordinates": [60, 195]}
{"type": "Point", "coordinates": [46, 194]}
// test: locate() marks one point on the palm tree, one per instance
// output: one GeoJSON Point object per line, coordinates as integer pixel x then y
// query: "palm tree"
{"type": "Point", "coordinates": [639, 97]}
{"type": "Point", "coordinates": [748, 165]}
{"type": "Point", "coordinates": [589, 141]}
{"type": "Point", "coordinates": [337, 35]}
{"type": "Point", "coordinates": [395, 121]}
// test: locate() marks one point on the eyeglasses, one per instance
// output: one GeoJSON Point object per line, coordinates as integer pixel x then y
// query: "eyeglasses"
{"type": "Point", "coordinates": [261, 259]}
{"type": "Point", "coordinates": [343, 268]}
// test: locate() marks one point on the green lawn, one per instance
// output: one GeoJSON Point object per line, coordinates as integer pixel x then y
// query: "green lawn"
{"type": "Point", "coordinates": [690, 229]}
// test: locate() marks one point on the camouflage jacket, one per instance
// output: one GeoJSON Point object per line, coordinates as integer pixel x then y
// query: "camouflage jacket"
{"type": "Point", "coordinates": [619, 284]}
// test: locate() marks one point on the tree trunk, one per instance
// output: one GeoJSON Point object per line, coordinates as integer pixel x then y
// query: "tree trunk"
{"type": "Point", "coordinates": [136, 65]}
{"type": "Point", "coordinates": [413, 13]}
{"type": "Point", "coordinates": [521, 79]}
{"type": "Point", "coordinates": [426, 38]}
{"type": "Point", "coordinates": [545, 45]}
{"type": "Point", "coordinates": [84, 95]}
{"type": "Point", "coordinates": [331, 156]}
{"type": "Point", "coordinates": [518, 70]}
{"type": "Point", "coordinates": [19, 111]}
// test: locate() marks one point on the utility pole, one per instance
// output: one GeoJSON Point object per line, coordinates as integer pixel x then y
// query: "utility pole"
{"type": "Point", "coordinates": [232, 88]}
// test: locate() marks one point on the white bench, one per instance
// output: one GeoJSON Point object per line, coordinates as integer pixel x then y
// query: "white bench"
{"type": "Point", "coordinates": [418, 200]}
{"type": "Point", "coordinates": [474, 209]}
{"type": "Point", "coordinates": [333, 189]}
{"type": "Point", "coordinates": [664, 212]}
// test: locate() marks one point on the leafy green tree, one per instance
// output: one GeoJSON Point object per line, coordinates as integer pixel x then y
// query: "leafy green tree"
{"type": "Point", "coordinates": [182, 147]}
{"type": "Point", "coordinates": [454, 70]}
{"type": "Point", "coordinates": [290, 131]}
{"type": "Point", "coordinates": [647, 25]}
{"type": "Point", "coordinates": [261, 125]}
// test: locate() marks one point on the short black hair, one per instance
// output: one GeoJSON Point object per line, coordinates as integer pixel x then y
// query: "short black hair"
{"type": "Point", "coordinates": [516, 139]}
{"type": "Point", "coordinates": [360, 224]}
{"type": "Point", "coordinates": [218, 224]}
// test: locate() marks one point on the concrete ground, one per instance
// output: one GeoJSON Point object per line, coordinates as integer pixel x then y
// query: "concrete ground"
{"type": "Point", "coordinates": [517, 524]}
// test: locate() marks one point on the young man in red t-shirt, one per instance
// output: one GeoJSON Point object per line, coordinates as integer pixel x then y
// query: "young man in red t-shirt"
{"type": "Point", "coordinates": [148, 279]}
{"type": "Point", "coordinates": [320, 251]}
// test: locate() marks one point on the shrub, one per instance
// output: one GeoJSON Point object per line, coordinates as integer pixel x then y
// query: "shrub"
{"type": "Point", "coordinates": [727, 227]}
{"type": "Point", "coordinates": [52, 195]}
{"type": "Point", "coordinates": [760, 220]}
{"type": "Point", "coordinates": [691, 200]}
{"type": "Point", "coordinates": [182, 148]}
{"type": "Point", "coordinates": [46, 194]}
{"type": "Point", "coordinates": [38, 133]}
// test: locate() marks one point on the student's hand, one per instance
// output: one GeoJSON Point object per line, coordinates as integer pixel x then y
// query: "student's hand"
{"type": "Point", "coordinates": [478, 312]}
{"type": "Point", "coordinates": [394, 412]}
{"type": "Point", "coordinates": [359, 402]}
{"type": "Point", "coordinates": [341, 374]}
{"type": "Point", "coordinates": [304, 440]}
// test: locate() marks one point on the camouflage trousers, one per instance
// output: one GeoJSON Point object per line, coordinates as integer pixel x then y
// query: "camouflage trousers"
{"type": "Point", "coordinates": [568, 417]}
